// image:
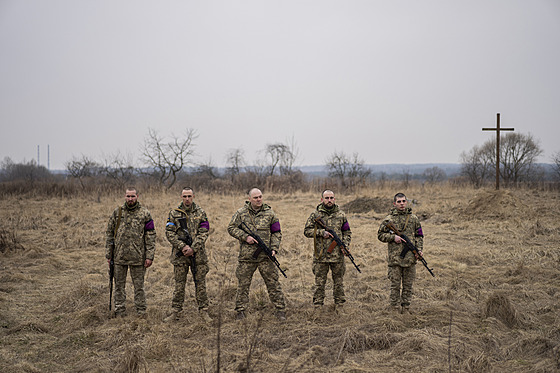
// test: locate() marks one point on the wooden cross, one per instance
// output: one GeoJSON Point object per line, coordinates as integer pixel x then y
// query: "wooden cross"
{"type": "Point", "coordinates": [498, 129]}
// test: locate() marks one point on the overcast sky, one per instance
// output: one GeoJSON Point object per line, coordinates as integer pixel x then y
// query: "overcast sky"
{"type": "Point", "coordinates": [395, 81]}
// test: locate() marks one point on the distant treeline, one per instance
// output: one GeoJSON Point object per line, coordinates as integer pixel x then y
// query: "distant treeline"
{"type": "Point", "coordinates": [25, 178]}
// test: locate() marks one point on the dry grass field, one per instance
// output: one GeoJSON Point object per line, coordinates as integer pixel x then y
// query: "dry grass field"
{"type": "Point", "coordinates": [492, 307]}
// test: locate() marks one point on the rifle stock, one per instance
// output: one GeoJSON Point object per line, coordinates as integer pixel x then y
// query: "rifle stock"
{"type": "Point", "coordinates": [337, 242]}
{"type": "Point", "coordinates": [408, 246]}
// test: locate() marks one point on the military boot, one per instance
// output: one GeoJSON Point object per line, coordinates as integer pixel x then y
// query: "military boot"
{"type": "Point", "coordinates": [281, 315]}
{"type": "Point", "coordinates": [203, 313]}
{"type": "Point", "coordinates": [175, 316]}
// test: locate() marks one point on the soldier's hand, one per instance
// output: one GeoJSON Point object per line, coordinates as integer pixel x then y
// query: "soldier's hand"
{"type": "Point", "coordinates": [327, 235]}
{"type": "Point", "coordinates": [398, 239]}
{"type": "Point", "coordinates": [250, 240]}
{"type": "Point", "coordinates": [147, 263]}
{"type": "Point", "coordinates": [187, 251]}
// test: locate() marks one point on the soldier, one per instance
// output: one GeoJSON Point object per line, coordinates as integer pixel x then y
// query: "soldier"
{"type": "Point", "coordinates": [262, 220]}
{"type": "Point", "coordinates": [130, 243]}
{"type": "Point", "coordinates": [325, 254]}
{"type": "Point", "coordinates": [402, 271]}
{"type": "Point", "coordinates": [183, 254]}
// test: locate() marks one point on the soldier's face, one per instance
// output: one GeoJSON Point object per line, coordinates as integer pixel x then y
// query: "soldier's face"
{"type": "Point", "coordinates": [131, 197]}
{"type": "Point", "coordinates": [187, 196]}
{"type": "Point", "coordinates": [256, 199]}
{"type": "Point", "coordinates": [400, 203]}
{"type": "Point", "coordinates": [328, 199]}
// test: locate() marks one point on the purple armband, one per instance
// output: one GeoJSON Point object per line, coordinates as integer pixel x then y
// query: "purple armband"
{"type": "Point", "coordinates": [149, 226]}
{"type": "Point", "coordinates": [419, 232]}
{"type": "Point", "coordinates": [345, 226]}
{"type": "Point", "coordinates": [205, 224]}
{"type": "Point", "coordinates": [275, 227]}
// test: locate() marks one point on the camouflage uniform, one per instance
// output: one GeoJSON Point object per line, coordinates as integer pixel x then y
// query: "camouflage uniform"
{"type": "Point", "coordinates": [198, 227]}
{"type": "Point", "coordinates": [265, 224]}
{"type": "Point", "coordinates": [335, 219]}
{"type": "Point", "coordinates": [130, 246]}
{"type": "Point", "coordinates": [401, 270]}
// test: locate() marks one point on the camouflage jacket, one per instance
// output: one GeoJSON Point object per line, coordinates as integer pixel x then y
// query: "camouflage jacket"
{"type": "Point", "coordinates": [335, 219]}
{"type": "Point", "coordinates": [407, 223]}
{"type": "Point", "coordinates": [198, 227]}
{"type": "Point", "coordinates": [263, 222]}
{"type": "Point", "coordinates": [130, 235]}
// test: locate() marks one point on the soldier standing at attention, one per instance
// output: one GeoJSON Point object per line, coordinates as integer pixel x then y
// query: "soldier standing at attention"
{"type": "Point", "coordinates": [326, 255]}
{"type": "Point", "coordinates": [402, 271]}
{"type": "Point", "coordinates": [130, 243]}
{"type": "Point", "coordinates": [261, 220]}
{"type": "Point", "coordinates": [183, 254]}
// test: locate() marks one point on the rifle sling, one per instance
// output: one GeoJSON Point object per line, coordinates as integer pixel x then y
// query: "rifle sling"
{"type": "Point", "coordinates": [118, 222]}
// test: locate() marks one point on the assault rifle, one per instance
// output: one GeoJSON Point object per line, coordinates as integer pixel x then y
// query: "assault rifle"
{"type": "Point", "coordinates": [408, 246]}
{"type": "Point", "coordinates": [261, 246]}
{"type": "Point", "coordinates": [188, 241]}
{"type": "Point", "coordinates": [337, 242]}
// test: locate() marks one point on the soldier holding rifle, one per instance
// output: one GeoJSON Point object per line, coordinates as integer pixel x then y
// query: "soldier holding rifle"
{"type": "Point", "coordinates": [402, 268]}
{"type": "Point", "coordinates": [327, 254]}
{"type": "Point", "coordinates": [187, 230]}
{"type": "Point", "coordinates": [257, 218]}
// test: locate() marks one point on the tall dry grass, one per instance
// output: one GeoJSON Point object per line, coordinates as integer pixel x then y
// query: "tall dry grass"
{"type": "Point", "coordinates": [493, 305]}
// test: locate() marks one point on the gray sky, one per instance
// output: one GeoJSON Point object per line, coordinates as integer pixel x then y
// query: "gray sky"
{"type": "Point", "coordinates": [395, 81]}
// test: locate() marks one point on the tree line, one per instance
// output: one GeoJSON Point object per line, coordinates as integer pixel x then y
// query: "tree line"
{"type": "Point", "coordinates": [164, 161]}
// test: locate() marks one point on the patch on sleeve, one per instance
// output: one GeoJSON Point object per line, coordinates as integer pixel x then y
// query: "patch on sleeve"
{"type": "Point", "coordinates": [149, 226]}
{"type": "Point", "coordinates": [275, 227]}
{"type": "Point", "coordinates": [345, 226]}
{"type": "Point", "coordinates": [419, 232]}
{"type": "Point", "coordinates": [205, 224]}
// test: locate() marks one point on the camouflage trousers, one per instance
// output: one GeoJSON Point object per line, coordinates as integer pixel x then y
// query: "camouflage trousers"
{"type": "Point", "coordinates": [269, 273]}
{"type": "Point", "coordinates": [137, 275]}
{"type": "Point", "coordinates": [401, 276]}
{"type": "Point", "coordinates": [321, 270]}
{"type": "Point", "coordinates": [180, 272]}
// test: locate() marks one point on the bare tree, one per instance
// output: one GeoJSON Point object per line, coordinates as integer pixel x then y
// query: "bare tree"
{"type": "Point", "coordinates": [280, 157]}
{"type": "Point", "coordinates": [348, 170]}
{"type": "Point", "coordinates": [476, 165]}
{"type": "Point", "coordinates": [518, 156]}
{"type": "Point", "coordinates": [289, 157]}
{"type": "Point", "coordinates": [406, 174]}
{"type": "Point", "coordinates": [274, 154]}
{"type": "Point", "coordinates": [434, 174]}
{"type": "Point", "coordinates": [83, 168]}
{"type": "Point", "coordinates": [556, 163]}
{"type": "Point", "coordinates": [119, 169]}
{"type": "Point", "coordinates": [235, 161]}
{"type": "Point", "coordinates": [167, 159]}
{"type": "Point", "coordinates": [206, 170]}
